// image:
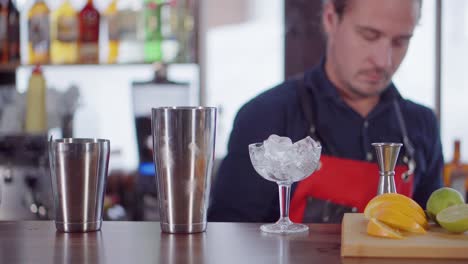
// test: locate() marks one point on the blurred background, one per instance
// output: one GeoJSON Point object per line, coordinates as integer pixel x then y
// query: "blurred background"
{"type": "Point", "coordinates": [132, 55]}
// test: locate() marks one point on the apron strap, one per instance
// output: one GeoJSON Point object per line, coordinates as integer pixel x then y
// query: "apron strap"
{"type": "Point", "coordinates": [325, 210]}
{"type": "Point", "coordinates": [408, 145]}
{"type": "Point", "coordinates": [305, 99]}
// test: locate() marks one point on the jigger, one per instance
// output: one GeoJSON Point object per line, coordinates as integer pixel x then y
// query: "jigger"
{"type": "Point", "coordinates": [387, 155]}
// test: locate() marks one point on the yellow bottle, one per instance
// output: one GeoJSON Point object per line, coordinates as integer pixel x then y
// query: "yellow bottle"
{"type": "Point", "coordinates": [456, 172]}
{"type": "Point", "coordinates": [38, 33]}
{"type": "Point", "coordinates": [113, 31]}
{"type": "Point", "coordinates": [36, 115]}
{"type": "Point", "coordinates": [64, 34]}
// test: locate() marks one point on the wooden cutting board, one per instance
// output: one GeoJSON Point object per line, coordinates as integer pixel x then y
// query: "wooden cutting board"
{"type": "Point", "coordinates": [437, 243]}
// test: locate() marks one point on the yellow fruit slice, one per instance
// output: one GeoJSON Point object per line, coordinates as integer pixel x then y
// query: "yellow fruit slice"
{"type": "Point", "coordinates": [396, 198]}
{"type": "Point", "coordinates": [399, 206]}
{"type": "Point", "coordinates": [379, 229]}
{"type": "Point", "coordinates": [398, 220]}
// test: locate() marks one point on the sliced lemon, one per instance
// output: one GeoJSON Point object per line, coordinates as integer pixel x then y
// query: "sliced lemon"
{"type": "Point", "coordinates": [398, 220]}
{"type": "Point", "coordinates": [379, 229]}
{"type": "Point", "coordinates": [400, 206]}
{"type": "Point", "coordinates": [454, 218]}
{"type": "Point", "coordinates": [396, 198]}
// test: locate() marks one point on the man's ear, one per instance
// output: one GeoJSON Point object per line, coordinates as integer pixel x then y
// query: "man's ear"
{"type": "Point", "coordinates": [329, 17]}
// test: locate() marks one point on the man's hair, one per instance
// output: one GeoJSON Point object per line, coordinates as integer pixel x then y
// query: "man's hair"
{"type": "Point", "coordinates": [341, 5]}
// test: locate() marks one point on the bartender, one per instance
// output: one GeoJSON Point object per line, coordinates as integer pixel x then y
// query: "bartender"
{"type": "Point", "coordinates": [347, 102]}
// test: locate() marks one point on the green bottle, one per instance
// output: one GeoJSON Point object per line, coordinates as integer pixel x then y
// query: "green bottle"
{"type": "Point", "coordinates": [153, 36]}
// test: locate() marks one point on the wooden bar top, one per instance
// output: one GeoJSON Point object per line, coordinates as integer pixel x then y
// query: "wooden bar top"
{"type": "Point", "coordinates": [143, 242]}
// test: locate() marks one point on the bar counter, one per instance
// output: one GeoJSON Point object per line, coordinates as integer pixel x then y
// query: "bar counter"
{"type": "Point", "coordinates": [143, 242]}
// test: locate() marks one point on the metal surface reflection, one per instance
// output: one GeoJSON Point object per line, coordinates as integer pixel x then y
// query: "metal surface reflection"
{"type": "Point", "coordinates": [79, 172]}
{"type": "Point", "coordinates": [81, 248]}
{"type": "Point", "coordinates": [186, 249]}
{"type": "Point", "coordinates": [183, 151]}
{"type": "Point", "coordinates": [387, 156]}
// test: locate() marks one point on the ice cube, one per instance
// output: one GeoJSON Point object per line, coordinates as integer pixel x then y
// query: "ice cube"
{"type": "Point", "coordinates": [307, 153]}
{"type": "Point", "coordinates": [277, 159]}
{"type": "Point", "coordinates": [276, 147]}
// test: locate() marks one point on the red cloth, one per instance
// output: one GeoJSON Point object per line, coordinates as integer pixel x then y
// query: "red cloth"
{"type": "Point", "coordinates": [346, 182]}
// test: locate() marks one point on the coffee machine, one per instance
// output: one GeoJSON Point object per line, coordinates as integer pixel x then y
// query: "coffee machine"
{"type": "Point", "coordinates": [25, 185]}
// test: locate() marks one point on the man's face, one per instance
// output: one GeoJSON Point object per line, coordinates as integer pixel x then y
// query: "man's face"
{"type": "Point", "coordinates": [367, 45]}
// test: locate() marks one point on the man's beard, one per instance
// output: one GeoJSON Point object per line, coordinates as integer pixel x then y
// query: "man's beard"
{"type": "Point", "coordinates": [360, 92]}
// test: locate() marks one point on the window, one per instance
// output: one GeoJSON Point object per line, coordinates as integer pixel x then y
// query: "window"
{"type": "Point", "coordinates": [454, 76]}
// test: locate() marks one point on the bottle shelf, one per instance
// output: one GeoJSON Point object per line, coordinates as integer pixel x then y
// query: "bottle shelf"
{"type": "Point", "coordinates": [8, 67]}
{"type": "Point", "coordinates": [11, 67]}
{"type": "Point", "coordinates": [90, 64]}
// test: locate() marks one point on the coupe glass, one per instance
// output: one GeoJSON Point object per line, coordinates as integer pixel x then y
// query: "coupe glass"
{"type": "Point", "coordinates": [284, 166]}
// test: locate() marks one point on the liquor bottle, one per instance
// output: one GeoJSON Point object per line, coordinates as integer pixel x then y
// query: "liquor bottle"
{"type": "Point", "coordinates": [170, 44]}
{"type": "Point", "coordinates": [113, 31]}
{"type": "Point", "coordinates": [13, 33]}
{"type": "Point", "coordinates": [456, 172]}
{"type": "Point", "coordinates": [186, 32]}
{"type": "Point", "coordinates": [153, 37]}
{"type": "Point", "coordinates": [64, 34]}
{"type": "Point", "coordinates": [88, 44]}
{"type": "Point", "coordinates": [183, 31]}
{"type": "Point", "coordinates": [131, 32]}
{"type": "Point", "coordinates": [36, 115]}
{"type": "Point", "coordinates": [3, 32]}
{"type": "Point", "coordinates": [39, 35]}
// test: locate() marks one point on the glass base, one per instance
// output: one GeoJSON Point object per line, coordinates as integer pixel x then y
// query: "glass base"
{"type": "Point", "coordinates": [284, 226]}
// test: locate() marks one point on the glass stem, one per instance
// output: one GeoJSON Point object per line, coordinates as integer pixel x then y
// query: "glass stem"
{"type": "Point", "coordinates": [284, 193]}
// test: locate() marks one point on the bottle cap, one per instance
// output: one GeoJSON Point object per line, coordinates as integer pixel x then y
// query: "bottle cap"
{"type": "Point", "coordinates": [37, 69]}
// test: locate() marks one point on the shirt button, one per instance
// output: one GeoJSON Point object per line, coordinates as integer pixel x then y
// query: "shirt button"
{"type": "Point", "coordinates": [369, 156]}
{"type": "Point", "coordinates": [405, 159]}
{"type": "Point", "coordinates": [366, 124]}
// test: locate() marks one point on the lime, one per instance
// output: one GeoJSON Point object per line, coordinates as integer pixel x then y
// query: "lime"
{"type": "Point", "coordinates": [441, 199]}
{"type": "Point", "coordinates": [454, 218]}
